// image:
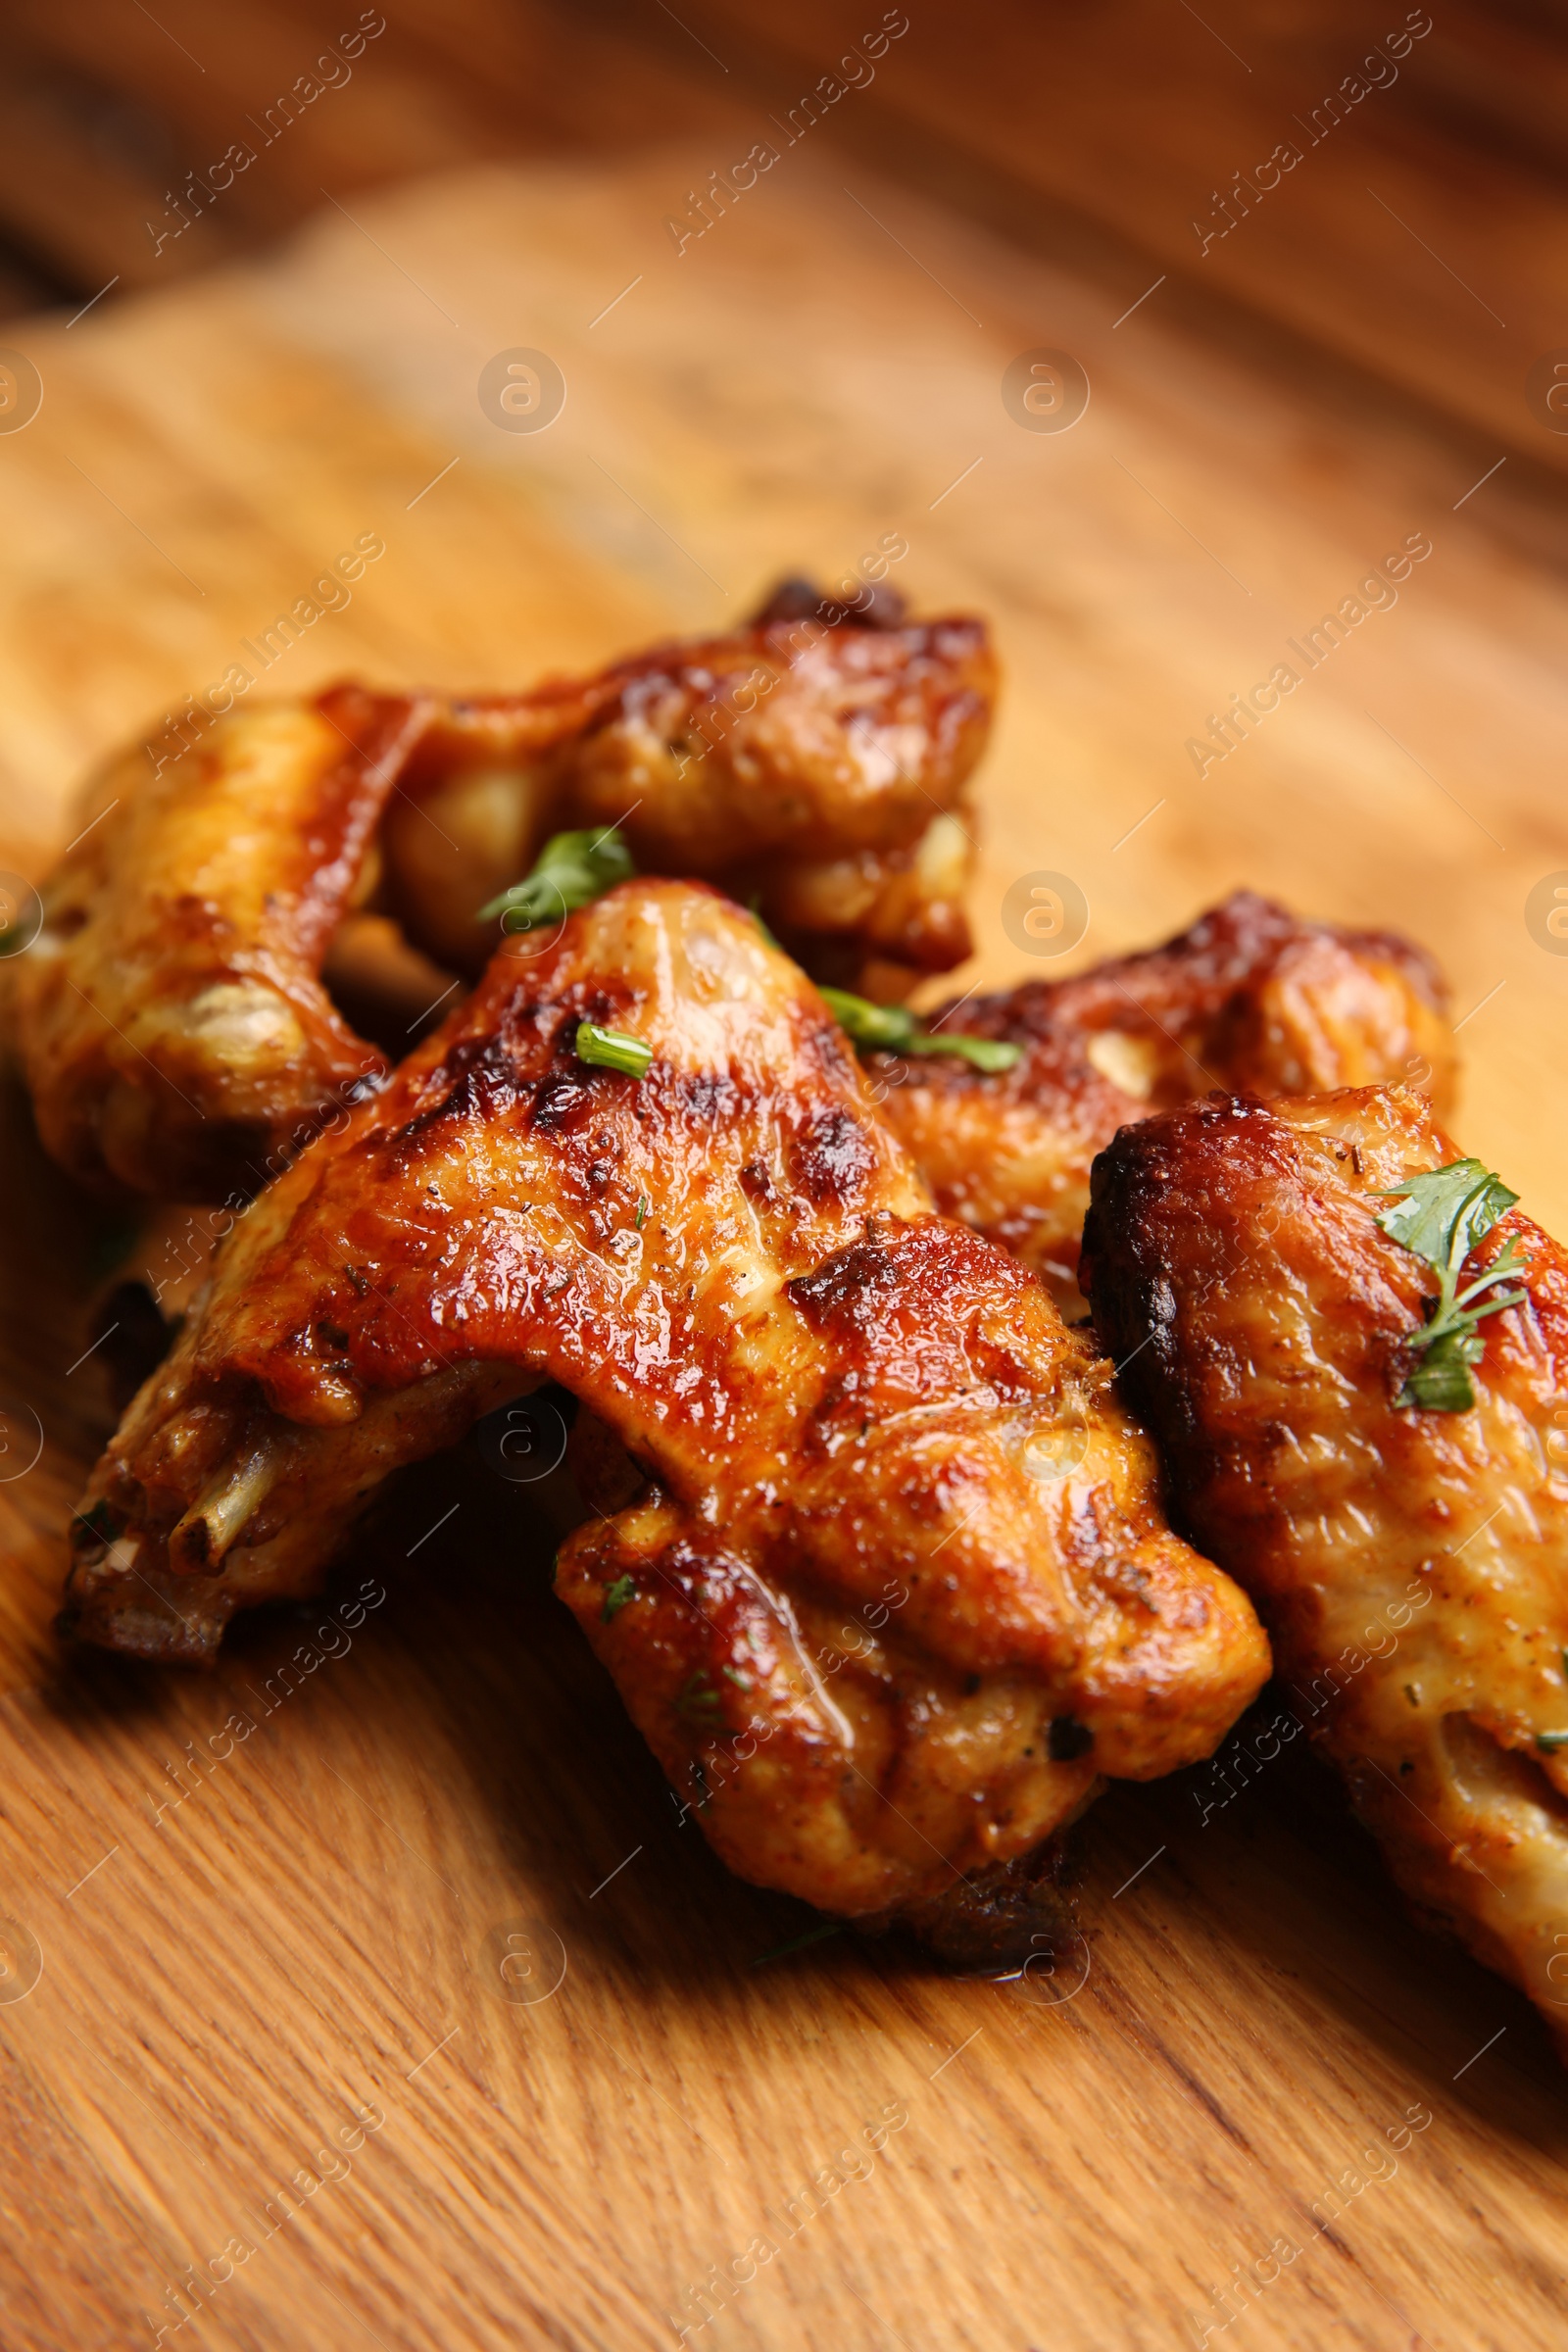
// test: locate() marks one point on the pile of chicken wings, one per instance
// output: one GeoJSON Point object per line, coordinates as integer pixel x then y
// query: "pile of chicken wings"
{"type": "Point", "coordinates": [514, 1039]}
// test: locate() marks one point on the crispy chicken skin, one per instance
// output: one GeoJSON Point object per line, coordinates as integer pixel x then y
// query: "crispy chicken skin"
{"type": "Point", "coordinates": [817, 766]}
{"type": "Point", "coordinates": [171, 1019]}
{"type": "Point", "coordinates": [173, 1022]}
{"type": "Point", "coordinates": [1249, 997]}
{"type": "Point", "coordinates": [1411, 1565]}
{"type": "Point", "coordinates": [886, 1584]}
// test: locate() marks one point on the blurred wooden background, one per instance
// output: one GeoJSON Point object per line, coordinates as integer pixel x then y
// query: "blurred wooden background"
{"type": "Point", "coordinates": [1421, 246]}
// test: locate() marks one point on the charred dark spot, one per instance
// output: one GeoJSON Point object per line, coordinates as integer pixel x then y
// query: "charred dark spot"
{"type": "Point", "coordinates": [712, 1098]}
{"type": "Point", "coordinates": [562, 1097]}
{"type": "Point", "coordinates": [359, 1278]}
{"type": "Point", "coordinates": [831, 1157]}
{"type": "Point", "coordinates": [851, 1289]}
{"type": "Point", "coordinates": [756, 1182]}
{"type": "Point", "coordinates": [333, 1333]}
{"type": "Point", "coordinates": [484, 1085]}
{"type": "Point", "coordinates": [1069, 1739]}
{"type": "Point", "coordinates": [878, 606]}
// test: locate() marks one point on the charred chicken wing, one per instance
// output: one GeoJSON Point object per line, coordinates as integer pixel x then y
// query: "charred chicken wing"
{"type": "Point", "coordinates": [875, 1556]}
{"type": "Point", "coordinates": [173, 1022]}
{"type": "Point", "coordinates": [1249, 997]}
{"type": "Point", "coordinates": [1358, 1371]}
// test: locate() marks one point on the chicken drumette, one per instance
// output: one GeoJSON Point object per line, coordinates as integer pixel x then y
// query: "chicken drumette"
{"type": "Point", "coordinates": [810, 1396]}
{"type": "Point", "coordinates": [1249, 997]}
{"type": "Point", "coordinates": [1387, 1478]}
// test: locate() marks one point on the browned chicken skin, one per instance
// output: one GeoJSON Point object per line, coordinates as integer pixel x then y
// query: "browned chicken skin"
{"type": "Point", "coordinates": [173, 1022]}
{"type": "Point", "coordinates": [1411, 1564]}
{"type": "Point", "coordinates": [817, 1402]}
{"type": "Point", "coordinates": [171, 1017]}
{"type": "Point", "coordinates": [1249, 997]}
{"type": "Point", "coordinates": [820, 767]}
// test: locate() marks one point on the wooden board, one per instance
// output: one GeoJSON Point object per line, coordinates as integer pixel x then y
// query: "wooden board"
{"type": "Point", "coordinates": [313, 1938]}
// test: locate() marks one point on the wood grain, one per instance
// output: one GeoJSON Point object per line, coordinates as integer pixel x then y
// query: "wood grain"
{"type": "Point", "coordinates": [315, 1929]}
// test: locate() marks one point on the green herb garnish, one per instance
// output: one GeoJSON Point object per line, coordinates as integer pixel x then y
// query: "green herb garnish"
{"type": "Point", "coordinates": [893, 1029]}
{"type": "Point", "coordinates": [611, 1050]}
{"type": "Point", "coordinates": [616, 1596]}
{"type": "Point", "coordinates": [698, 1702]}
{"type": "Point", "coordinates": [571, 870]}
{"type": "Point", "coordinates": [1440, 1215]}
{"type": "Point", "coordinates": [1549, 1742]}
{"type": "Point", "coordinates": [642, 1210]}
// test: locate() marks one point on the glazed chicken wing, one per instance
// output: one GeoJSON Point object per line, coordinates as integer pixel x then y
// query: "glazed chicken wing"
{"type": "Point", "coordinates": [818, 767]}
{"type": "Point", "coordinates": [822, 1404]}
{"type": "Point", "coordinates": [1410, 1559]}
{"type": "Point", "coordinates": [1249, 997]}
{"type": "Point", "coordinates": [171, 1019]}
{"type": "Point", "coordinates": [173, 1022]}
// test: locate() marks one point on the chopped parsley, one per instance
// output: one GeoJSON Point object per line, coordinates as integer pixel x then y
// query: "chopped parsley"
{"type": "Point", "coordinates": [893, 1029]}
{"type": "Point", "coordinates": [571, 870]}
{"type": "Point", "coordinates": [698, 1702]}
{"type": "Point", "coordinates": [616, 1596]}
{"type": "Point", "coordinates": [1440, 1215]}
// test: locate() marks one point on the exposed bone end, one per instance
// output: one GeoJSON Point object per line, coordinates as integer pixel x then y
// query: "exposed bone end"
{"type": "Point", "coordinates": [219, 1515]}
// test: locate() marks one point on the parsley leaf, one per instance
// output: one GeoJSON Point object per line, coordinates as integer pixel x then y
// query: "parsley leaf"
{"type": "Point", "coordinates": [616, 1596]}
{"type": "Point", "coordinates": [1460, 1202]}
{"type": "Point", "coordinates": [1440, 1215]}
{"type": "Point", "coordinates": [571, 870]}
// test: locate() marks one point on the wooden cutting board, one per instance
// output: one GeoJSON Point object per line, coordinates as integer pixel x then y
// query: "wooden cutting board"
{"type": "Point", "coordinates": [410, 2014]}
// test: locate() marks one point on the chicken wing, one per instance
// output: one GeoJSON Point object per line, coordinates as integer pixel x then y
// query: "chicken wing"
{"type": "Point", "coordinates": [1410, 1559]}
{"type": "Point", "coordinates": [171, 1019]}
{"type": "Point", "coordinates": [885, 1584]}
{"type": "Point", "coordinates": [817, 766]}
{"type": "Point", "coordinates": [173, 1023]}
{"type": "Point", "coordinates": [1248, 998]}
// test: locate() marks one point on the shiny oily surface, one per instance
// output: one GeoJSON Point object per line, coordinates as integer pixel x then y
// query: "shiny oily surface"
{"type": "Point", "coordinates": [174, 1025]}
{"type": "Point", "coordinates": [1411, 1565]}
{"type": "Point", "coordinates": [829, 1394]}
{"type": "Point", "coordinates": [1250, 997]}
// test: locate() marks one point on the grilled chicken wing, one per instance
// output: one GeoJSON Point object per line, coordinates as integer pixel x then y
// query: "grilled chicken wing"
{"type": "Point", "coordinates": [1249, 997]}
{"type": "Point", "coordinates": [1411, 1563]}
{"type": "Point", "coordinates": [173, 1022]}
{"type": "Point", "coordinates": [886, 1582]}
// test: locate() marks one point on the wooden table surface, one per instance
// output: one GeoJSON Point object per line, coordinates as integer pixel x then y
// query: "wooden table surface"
{"type": "Point", "coordinates": [271, 2069]}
